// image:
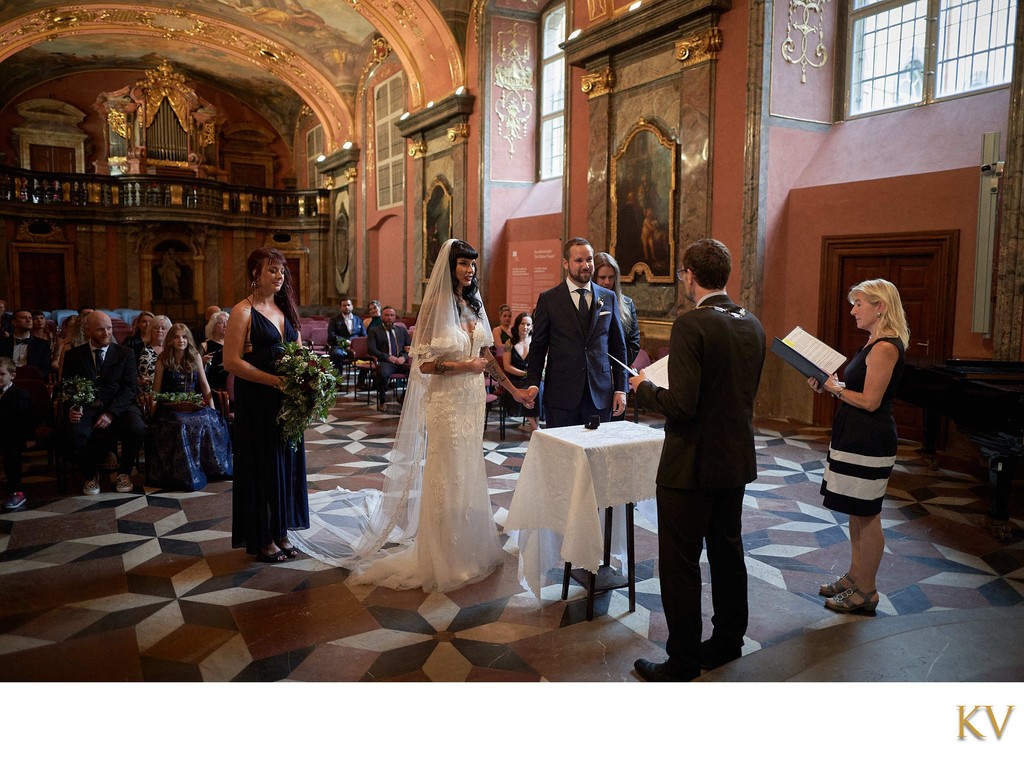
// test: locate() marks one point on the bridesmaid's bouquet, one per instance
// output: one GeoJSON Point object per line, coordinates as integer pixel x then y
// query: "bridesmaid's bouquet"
{"type": "Point", "coordinates": [310, 384]}
{"type": "Point", "coordinates": [77, 391]}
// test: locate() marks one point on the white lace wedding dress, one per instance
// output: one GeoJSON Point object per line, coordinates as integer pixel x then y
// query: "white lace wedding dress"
{"type": "Point", "coordinates": [456, 541]}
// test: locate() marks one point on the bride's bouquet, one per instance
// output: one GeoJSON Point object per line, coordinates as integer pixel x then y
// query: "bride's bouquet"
{"type": "Point", "coordinates": [310, 384]}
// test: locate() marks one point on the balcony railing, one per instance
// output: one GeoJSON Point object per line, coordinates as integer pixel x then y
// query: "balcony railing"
{"type": "Point", "coordinates": [142, 192]}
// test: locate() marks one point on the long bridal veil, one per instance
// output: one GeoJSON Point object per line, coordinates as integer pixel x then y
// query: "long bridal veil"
{"type": "Point", "coordinates": [351, 529]}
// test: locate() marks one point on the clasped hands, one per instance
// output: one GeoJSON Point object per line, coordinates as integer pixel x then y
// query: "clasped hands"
{"type": "Point", "coordinates": [526, 397]}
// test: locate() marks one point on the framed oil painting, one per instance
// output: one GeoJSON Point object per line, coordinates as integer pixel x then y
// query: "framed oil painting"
{"type": "Point", "coordinates": [643, 204]}
{"type": "Point", "coordinates": [437, 223]}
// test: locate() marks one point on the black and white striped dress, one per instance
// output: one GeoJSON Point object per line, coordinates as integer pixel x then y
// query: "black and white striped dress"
{"type": "Point", "coordinates": [863, 448]}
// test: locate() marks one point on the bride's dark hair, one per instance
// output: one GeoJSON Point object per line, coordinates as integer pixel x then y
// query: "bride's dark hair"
{"type": "Point", "coordinates": [460, 249]}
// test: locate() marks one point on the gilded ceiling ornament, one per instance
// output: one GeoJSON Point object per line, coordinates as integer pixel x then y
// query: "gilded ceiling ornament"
{"type": "Point", "coordinates": [700, 48]}
{"type": "Point", "coordinates": [598, 83]}
{"type": "Point", "coordinates": [459, 133]}
{"type": "Point", "coordinates": [809, 23]}
{"type": "Point", "coordinates": [515, 78]}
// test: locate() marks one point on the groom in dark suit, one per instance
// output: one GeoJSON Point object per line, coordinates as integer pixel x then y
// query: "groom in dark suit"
{"type": "Point", "coordinates": [115, 411]}
{"type": "Point", "coordinates": [715, 356]}
{"type": "Point", "coordinates": [575, 327]}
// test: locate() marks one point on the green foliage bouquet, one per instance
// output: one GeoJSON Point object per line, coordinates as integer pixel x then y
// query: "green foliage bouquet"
{"type": "Point", "coordinates": [310, 384]}
{"type": "Point", "coordinates": [180, 401]}
{"type": "Point", "coordinates": [77, 390]}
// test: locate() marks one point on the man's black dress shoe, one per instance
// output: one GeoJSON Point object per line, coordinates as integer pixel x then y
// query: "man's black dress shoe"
{"type": "Point", "coordinates": [712, 656]}
{"type": "Point", "coordinates": [658, 672]}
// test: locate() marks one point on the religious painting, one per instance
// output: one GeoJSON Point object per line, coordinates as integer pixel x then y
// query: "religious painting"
{"type": "Point", "coordinates": [437, 223]}
{"type": "Point", "coordinates": [643, 204]}
{"type": "Point", "coordinates": [172, 273]}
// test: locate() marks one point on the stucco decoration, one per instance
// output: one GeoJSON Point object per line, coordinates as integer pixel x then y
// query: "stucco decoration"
{"type": "Point", "coordinates": [699, 48]}
{"type": "Point", "coordinates": [805, 21]}
{"type": "Point", "coordinates": [598, 83]}
{"type": "Point", "coordinates": [514, 76]}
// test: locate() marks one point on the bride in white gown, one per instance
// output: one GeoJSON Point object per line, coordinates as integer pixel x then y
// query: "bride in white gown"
{"type": "Point", "coordinates": [432, 527]}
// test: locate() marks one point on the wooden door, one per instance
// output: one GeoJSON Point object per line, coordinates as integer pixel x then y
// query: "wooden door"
{"type": "Point", "coordinates": [923, 268]}
{"type": "Point", "coordinates": [41, 281]}
{"type": "Point", "coordinates": [51, 158]}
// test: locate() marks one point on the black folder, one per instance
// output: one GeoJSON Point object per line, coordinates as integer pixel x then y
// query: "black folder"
{"type": "Point", "coordinates": [798, 361]}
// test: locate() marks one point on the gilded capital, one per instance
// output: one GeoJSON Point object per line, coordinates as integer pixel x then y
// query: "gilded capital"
{"type": "Point", "coordinates": [417, 148]}
{"type": "Point", "coordinates": [598, 83]}
{"type": "Point", "coordinates": [699, 48]}
{"type": "Point", "coordinates": [459, 133]}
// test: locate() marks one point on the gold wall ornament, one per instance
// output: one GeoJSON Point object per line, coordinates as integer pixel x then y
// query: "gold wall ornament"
{"type": "Point", "coordinates": [351, 173]}
{"type": "Point", "coordinates": [809, 23]}
{"type": "Point", "coordinates": [417, 148]}
{"type": "Point", "coordinates": [598, 83]}
{"type": "Point", "coordinates": [514, 75]}
{"type": "Point", "coordinates": [118, 122]}
{"type": "Point", "coordinates": [699, 48]}
{"type": "Point", "coordinates": [458, 133]}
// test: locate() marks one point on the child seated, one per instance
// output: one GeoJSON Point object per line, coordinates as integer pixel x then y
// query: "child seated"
{"type": "Point", "coordinates": [17, 432]}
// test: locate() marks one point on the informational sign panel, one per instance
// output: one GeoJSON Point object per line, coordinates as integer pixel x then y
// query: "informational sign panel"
{"type": "Point", "coordinates": [533, 266]}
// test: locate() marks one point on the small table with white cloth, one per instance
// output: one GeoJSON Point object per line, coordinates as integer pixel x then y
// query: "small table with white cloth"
{"type": "Point", "coordinates": [568, 475]}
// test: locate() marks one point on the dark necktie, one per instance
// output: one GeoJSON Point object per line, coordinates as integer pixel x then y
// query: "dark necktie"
{"type": "Point", "coordinates": [98, 352]}
{"type": "Point", "coordinates": [584, 311]}
{"type": "Point", "coordinates": [394, 345]}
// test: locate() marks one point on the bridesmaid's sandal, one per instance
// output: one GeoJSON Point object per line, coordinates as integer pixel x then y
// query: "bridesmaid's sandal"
{"type": "Point", "coordinates": [272, 557]}
{"type": "Point", "coordinates": [843, 602]}
{"type": "Point", "coordinates": [290, 551]}
{"type": "Point", "coordinates": [836, 588]}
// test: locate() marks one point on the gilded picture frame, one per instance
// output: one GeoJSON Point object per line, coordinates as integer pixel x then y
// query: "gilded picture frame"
{"type": "Point", "coordinates": [643, 204]}
{"type": "Point", "coordinates": [437, 223]}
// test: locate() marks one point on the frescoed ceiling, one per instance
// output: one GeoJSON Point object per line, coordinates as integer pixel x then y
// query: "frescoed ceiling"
{"type": "Point", "coordinates": [275, 55]}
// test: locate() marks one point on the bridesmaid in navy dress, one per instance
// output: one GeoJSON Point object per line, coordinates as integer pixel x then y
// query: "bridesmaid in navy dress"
{"type": "Point", "coordinates": [185, 448]}
{"type": "Point", "coordinates": [269, 495]}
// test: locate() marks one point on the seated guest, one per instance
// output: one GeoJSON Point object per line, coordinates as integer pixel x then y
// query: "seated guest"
{"type": "Point", "coordinates": [502, 333]}
{"type": "Point", "coordinates": [114, 413]}
{"type": "Point", "coordinates": [158, 329]}
{"type": "Point", "coordinates": [185, 448]}
{"type": "Point", "coordinates": [71, 334]}
{"type": "Point", "coordinates": [389, 344]}
{"type": "Point", "coordinates": [22, 347]}
{"type": "Point", "coordinates": [344, 325]}
{"type": "Point", "coordinates": [514, 360]}
{"type": "Point", "coordinates": [41, 329]}
{"type": "Point", "coordinates": [373, 315]}
{"type": "Point", "coordinates": [5, 320]}
{"type": "Point", "coordinates": [199, 332]}
{"type": "Point", "coordinates": [17, 431]}
{"type": "Point", "coordinates": [140, 332]}
{"type": "Point", "coordinates": [213, 350]}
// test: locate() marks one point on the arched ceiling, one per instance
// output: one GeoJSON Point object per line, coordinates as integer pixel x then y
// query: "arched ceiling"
{"type": "Point", "coordinates": [274, 55]}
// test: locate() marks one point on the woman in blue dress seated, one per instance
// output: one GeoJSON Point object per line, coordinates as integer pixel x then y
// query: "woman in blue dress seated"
{"type": "Point", "coordinates": [184, 448]}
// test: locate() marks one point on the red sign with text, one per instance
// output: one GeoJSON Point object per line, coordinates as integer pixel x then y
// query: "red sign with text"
{"type": "Point", "coordinates": [533, 266]}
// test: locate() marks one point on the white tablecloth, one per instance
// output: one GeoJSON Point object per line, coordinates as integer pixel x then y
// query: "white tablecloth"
{"type": "Point", "coordinates": [568, 474]}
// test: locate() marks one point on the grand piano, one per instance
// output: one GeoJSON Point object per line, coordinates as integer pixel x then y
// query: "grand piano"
{"type": "Point", "coordinates": [985, 398]}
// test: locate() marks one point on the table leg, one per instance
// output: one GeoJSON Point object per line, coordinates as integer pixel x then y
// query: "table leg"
{"type": "Point", "coordinates": [630, 557]}
{"type": "Point", "coordinates": [565, 581]}
{"type": "Point", "coordinates": [591, 585]}
{"type": "Point", "coordinates": [608, 535]}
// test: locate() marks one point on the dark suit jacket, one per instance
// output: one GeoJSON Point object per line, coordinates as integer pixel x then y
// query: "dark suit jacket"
{"type": "Point", "coordinates": [336, 329]}
{"type": "Point", "coordinates": [714, 367]}
{"type": "Point", "coordinates": [117, 385]}
{"type": "Point", "coordinates": [377, 342]}
{"type": "Point", "coordinates": [38, 352]}
{"type": "Point", "coordinates": [573, 358]}
{"type": "Point", "coordinates": [16, 413]}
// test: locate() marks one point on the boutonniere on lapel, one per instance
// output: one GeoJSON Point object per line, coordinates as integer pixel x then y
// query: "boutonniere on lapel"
{"type": "Point", "coordinates": [600, 302]}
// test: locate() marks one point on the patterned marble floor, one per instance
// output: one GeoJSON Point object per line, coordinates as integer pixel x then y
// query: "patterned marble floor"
{"type": "Point", "coordinates": [146, 587]}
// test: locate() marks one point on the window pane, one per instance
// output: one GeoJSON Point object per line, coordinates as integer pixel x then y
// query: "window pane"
{"type": "Point", "coordinates": [552, 147]}
{"type": "Point", "coordinates": [888, 58]}
{"type": "Point", "coordinates": [554, 32]}
{"type": "Point", "coordinates": [553, 89]}
{"type": "Point", "coordinates": [975, 45]}
{"type": "Point", "coordinates": [389, 99]}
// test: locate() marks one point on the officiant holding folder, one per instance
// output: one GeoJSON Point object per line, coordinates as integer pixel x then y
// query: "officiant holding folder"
{"type": "Point", "coordinates": [716, 352]}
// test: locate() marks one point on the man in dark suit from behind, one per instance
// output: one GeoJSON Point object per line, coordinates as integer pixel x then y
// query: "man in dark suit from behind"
{"type": "Point", "coordinates": [575, 342]}
{"type": "Point", "coordinates": [23, 348]}
{"type": "Point", "coordinates": [115, 411]}
{"type": "Point", "coordinates": [715, 356]}
{"type": "Point", "coordinates": [345, 325]}
{"type": "Point", "coordinates": [18, 429]}
{"type": "Point", "coordinates": [387, 343]}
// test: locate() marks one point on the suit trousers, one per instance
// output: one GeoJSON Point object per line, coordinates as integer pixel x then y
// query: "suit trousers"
{"type": "Point", "coordinates": [686, 519]}
{"type": "Point", "coordinates": [384, 371]}
{"type": "Point", "coordinates": [570, 417]}
{"type": "Point", "coordinates": [86, 445]}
